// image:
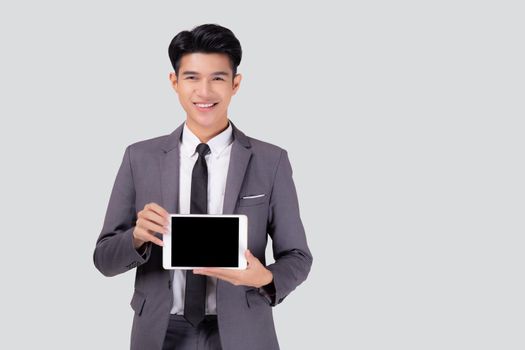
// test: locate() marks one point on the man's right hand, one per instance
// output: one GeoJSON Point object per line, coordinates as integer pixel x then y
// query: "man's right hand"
{"type": "Point", "coordinates": [153, 218]}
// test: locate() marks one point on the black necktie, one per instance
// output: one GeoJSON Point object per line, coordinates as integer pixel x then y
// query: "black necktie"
{"type": "Point", "coordinates": [195, 295]}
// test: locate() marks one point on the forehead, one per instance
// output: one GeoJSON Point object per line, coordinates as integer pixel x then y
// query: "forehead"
{"type": "Point", "coordinates": [205, 63]}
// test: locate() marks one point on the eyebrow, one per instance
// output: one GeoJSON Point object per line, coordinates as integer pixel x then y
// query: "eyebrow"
{"type": "Point", "coordinates": [190, 72]}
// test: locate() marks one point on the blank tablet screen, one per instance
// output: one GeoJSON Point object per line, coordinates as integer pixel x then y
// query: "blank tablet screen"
{"type": "Point", "coordinates": [205, 241]}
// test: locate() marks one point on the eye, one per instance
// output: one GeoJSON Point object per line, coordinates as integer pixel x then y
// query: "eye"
{"type": "Point", "coordinates": [191, 77]}
{"type": "Point", "coordinates": [218, 78]}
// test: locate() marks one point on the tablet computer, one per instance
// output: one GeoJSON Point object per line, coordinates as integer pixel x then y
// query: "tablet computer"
{"type": "Point", "coordinates": [205, 240]}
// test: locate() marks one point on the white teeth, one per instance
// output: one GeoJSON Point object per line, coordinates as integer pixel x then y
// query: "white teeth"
{"type": "Point", "coordinates": [204, 105]}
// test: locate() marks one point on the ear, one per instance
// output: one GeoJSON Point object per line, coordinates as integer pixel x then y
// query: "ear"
{"type": "Point", "coordinates": [236, 83]}
{"type": "Point", "coordinates": [174, 81]}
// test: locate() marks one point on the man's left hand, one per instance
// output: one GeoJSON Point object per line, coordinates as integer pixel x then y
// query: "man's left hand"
{"type": "Point", "coordinates": [255, 275]}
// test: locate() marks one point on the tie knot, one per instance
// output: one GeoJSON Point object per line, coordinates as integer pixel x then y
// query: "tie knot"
{"type": "Point", "coordinates": [202, 149]}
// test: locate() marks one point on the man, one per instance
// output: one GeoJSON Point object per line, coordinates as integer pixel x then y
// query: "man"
{"type": "Point", "coordinates": [204, 308]}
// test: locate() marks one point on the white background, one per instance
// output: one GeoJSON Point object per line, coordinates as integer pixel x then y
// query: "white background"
{"type": "Point", "coordinates": [403, 122]}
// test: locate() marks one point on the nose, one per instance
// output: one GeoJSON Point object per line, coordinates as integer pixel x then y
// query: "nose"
{"type": "Point", "coordinates": [204, 89]}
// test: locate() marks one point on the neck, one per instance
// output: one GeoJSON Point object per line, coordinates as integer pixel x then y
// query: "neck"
{"type": "Point", "coordinates": [207, 133]}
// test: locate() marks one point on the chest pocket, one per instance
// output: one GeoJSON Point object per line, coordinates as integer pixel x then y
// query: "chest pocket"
{"type": "Point", "coordinates": [251, 200]}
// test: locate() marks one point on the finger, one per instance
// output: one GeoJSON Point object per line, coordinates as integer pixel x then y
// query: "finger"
{"type": "Point", "coordinates": [153, 217]}
{"type": "Point", "coordinates": [158, 209]}
{"type": "Point", "coordinates": [145, 236]}
{"type": "Point", "coordinates": [207, 272]}
{"type": "Point", "coordinates": [216, 271]}
{"type": "Point", "coordinates": [220, 273]}
{"type": "Point", "coordinates": [250, 258]}
{"type": "Point", "coordinates": [146, 224]}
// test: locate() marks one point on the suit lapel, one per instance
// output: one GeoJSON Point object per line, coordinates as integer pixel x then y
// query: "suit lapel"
{"type": "Point", "coordinates": [239, 158]}
{"type": "Point", "coordinates": [169, 171]}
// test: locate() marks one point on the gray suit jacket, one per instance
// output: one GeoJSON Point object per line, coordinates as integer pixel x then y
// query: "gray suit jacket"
{"type": "Point", "coordinates": [150, 173]}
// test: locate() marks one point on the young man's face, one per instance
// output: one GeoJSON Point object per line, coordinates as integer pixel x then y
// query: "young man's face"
{"type": "Point", "coordinates": [205, 87]}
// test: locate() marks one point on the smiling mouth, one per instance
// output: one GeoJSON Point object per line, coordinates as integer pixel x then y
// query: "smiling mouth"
{"type": "Point", "coordinates": [205, 106]}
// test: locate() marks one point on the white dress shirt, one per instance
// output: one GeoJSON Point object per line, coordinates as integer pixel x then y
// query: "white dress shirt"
{"type": "Point", "coordinates": [217, 161]}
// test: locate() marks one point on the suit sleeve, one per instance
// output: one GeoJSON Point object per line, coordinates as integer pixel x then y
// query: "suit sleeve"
{"type": "Point", "coordinates": [293, 258]}
{"type": "Point", "coordinates": [114, 251]}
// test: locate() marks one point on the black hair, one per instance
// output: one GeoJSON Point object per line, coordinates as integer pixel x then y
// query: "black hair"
{"type": "Point", "coordinates": [206, 38]}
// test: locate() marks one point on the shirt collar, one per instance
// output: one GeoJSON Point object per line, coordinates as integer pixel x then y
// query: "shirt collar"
{"type": "Point", "coordinates": [218, 143]}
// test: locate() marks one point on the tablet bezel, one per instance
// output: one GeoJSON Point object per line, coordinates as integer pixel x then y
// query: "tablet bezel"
{"type": "Point", "coordinates": [243, 242]}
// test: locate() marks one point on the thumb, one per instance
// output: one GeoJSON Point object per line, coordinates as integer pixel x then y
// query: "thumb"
{"type": "Point", "coordinates": [249, 256]}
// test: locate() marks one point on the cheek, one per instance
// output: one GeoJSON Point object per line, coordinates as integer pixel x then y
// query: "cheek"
{"type": "Point", "coordinates": [226, 98]}
{"type": "Point", "coordinates": [183, 101]}
{"type": "Point", "coordinates": [184, 97]}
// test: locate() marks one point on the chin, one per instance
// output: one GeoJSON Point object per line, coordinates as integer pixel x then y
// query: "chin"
{"type": "Point", "coordinates": [205, 121]}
